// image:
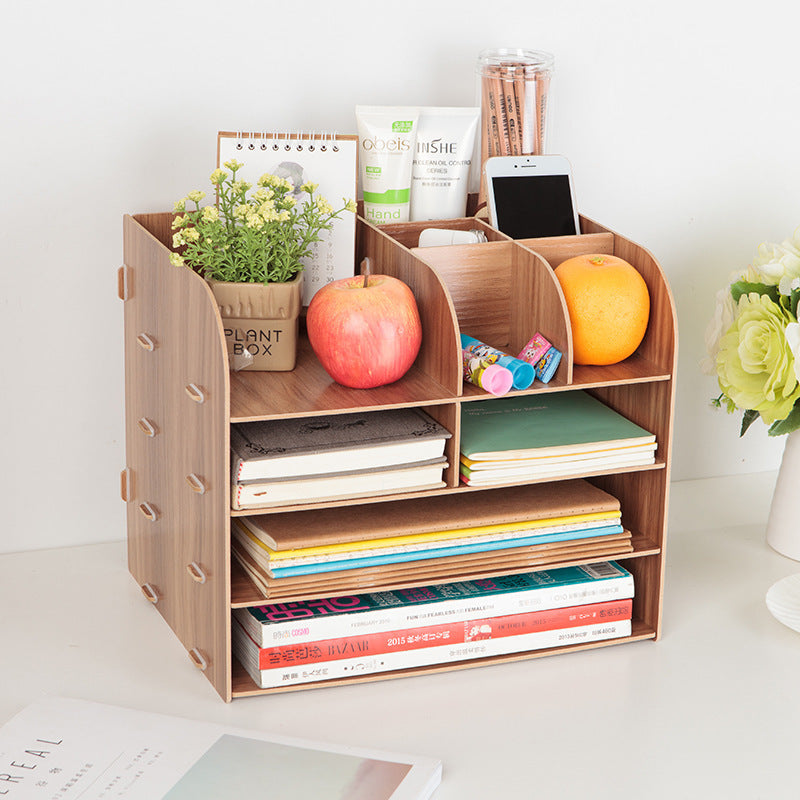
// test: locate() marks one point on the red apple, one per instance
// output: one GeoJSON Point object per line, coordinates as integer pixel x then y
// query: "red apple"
{"type": "Point", "coordinates": [364, 335]}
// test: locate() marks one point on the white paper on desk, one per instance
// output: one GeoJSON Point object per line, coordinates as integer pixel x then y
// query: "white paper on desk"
{"type": "Point", "coordinates": [61, 749]}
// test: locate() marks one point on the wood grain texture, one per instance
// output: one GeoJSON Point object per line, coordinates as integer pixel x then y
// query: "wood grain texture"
{"type": "Point", "coordinates": [439, 334]}
{"type": "Point", "coordinates": [244, 686]}
{"type": "Point", "coordinates": [308, 391]}
{"type": "Point", "coordinates": [500, 292]}
{"type": "Point", "coordinates": [176, 308]}
{"type": "Point", "coordinates": [407, 233]}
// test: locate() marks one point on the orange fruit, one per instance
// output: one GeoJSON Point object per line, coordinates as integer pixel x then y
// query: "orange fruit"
{"type": "Point", "coordinates": [608, 304]}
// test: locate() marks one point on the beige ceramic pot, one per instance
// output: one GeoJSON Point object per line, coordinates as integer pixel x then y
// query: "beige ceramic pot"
{"type": "Point", "coordinates": [260, 322]}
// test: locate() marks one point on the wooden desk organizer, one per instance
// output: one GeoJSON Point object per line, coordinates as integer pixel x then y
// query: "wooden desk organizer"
{"type": "Point", "coordinates": [181, 400]}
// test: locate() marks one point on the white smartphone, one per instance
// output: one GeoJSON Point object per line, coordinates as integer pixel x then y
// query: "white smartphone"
{"type": "Point", "coordinates": [531, 196]}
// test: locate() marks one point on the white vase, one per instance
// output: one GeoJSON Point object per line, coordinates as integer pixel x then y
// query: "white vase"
{"type": "Point", "coordinates": [783, 524]}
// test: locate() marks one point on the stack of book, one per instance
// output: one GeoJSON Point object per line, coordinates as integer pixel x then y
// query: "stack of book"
{"type": "Point", "coordinates": [412, 542]}
{"type": "Point", "coordinates": [339, 637]}
{"type": "Point", "coordinates": [547, 436]}
{"type": "Point", "coordinates": [334, 457]}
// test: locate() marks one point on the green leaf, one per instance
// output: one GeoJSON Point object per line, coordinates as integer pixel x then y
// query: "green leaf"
{"type": "Point", "coordinates": [783, 426]}
{"type": "Point", "coordinates": [744, 287]}
{"type": "Point", "coordinates": [750, 416]}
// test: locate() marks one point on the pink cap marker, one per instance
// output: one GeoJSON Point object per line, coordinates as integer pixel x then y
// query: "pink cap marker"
{"type": "Point", "coordinates": [496, 380]}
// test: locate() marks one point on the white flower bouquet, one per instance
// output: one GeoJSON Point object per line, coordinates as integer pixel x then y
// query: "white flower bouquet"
{"type": "Point", "coordinates": [753, 340]}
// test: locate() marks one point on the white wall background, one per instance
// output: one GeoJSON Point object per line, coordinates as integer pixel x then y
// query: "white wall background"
{"type": "Point", "coordinates": [680, 119]}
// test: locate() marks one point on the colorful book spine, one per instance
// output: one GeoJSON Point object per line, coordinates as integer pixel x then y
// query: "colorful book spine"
{"type": "Point", "coordinates": [331, 618]}
{"type": "Point", "coordinates": [446, 653]}
{"type": "Point", "coordinates": [415, 638]}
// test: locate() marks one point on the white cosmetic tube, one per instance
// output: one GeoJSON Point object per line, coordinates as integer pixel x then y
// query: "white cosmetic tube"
{"type": "Point", "coordinates": [442, 162]}
{"type": "Point", "coordinates": [386, 136]}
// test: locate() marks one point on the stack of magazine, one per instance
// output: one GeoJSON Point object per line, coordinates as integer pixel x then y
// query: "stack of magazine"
{"type": "Point", "coordinates": [547, 436]}
{"type": "Point", "coordinates": [365, 634]}
{"type": "Point", "coordinates": [334, 457]}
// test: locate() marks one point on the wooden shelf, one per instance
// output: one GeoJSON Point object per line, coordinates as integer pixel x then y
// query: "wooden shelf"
{"type": "Point", "coordinates": [308, 390]}
{"type": "Point", "coordinates": [176, 482]}
{"type": "Point", "coordinates": [243, 685]}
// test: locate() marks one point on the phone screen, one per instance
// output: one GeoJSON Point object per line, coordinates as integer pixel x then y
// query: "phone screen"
{"type": "Point", "coordinates": [534, 205]}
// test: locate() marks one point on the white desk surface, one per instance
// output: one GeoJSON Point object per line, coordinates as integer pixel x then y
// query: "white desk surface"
{"type": "Point", "coordinates": [709, 711]}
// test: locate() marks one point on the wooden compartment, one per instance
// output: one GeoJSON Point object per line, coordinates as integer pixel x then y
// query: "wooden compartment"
{"type": "Point", "coordinates": [181, 399]}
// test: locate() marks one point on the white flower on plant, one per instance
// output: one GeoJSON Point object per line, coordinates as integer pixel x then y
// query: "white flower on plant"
{"type": "Point", "coordinates": [258, 237]}
{"type": "Point", "coordinates": [717, 327]}
{"type": "Point", "coordinates": [218, 176]}
{"type": "Point", "coordinates": [787, 285]}
{"type": "Point", "coordinates": [753, 340]}
{"type": "Point", "coordinates": [323, 205]}
{"type": "Point", "coordinates": [254, 221]}
{"type": "Point", "coordinates": [210, 214]}
{"type": "Point", "coordinates": [775, 263]}
{"type": "Point", "coordinates": [792, 334]}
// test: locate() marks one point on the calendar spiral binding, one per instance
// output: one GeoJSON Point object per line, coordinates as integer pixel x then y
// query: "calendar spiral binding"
{"type": "Point", "coordinates": [297, 141]}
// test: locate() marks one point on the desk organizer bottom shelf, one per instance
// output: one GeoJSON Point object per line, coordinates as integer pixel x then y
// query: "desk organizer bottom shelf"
{"type": "Point", "coordinates": [243, 685]}
{"type": "Point", "coordinates": [644, 620]}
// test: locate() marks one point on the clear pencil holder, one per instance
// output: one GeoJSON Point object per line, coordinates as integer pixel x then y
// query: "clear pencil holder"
{"type": "Point", "coordinates": [514, 86]}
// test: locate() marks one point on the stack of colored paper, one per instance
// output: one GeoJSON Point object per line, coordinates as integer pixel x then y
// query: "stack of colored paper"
{"type": "Point", "coordinates": [414, 542]}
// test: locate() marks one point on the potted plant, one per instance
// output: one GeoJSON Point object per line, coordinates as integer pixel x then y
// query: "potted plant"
{"type": "Point", "coordinates": [249, 246]}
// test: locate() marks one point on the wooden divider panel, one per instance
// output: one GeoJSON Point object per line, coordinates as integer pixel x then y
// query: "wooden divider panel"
{"type": "Point", "coordinates": [438, 355]}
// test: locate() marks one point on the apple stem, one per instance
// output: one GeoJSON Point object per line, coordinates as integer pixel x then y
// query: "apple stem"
{"type": "Point", "coordinates": [365, 267]}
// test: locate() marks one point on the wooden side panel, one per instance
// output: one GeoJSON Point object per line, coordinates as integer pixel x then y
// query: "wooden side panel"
{"type": "Point", "coordinates": [181, 387]}
{"type": "Point", "coordinates": [660, 342]}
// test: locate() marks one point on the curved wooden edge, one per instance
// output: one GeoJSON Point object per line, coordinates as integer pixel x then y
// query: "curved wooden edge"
{"type": "Point", "coordinates": [660, 342]}
{"type": "Point", "coordinates": [537, 294]}
{"type": "Point", "coordinates": [176, 306]}
{"type": "Point", "coordinates": [440, 340]}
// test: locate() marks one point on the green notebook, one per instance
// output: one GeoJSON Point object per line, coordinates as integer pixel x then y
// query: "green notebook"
{"type": "Point", "coordinates": [542, 425]}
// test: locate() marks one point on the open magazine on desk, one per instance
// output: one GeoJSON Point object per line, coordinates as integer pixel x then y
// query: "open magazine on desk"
{"type": "Point", "coordinates": [63, 749]}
